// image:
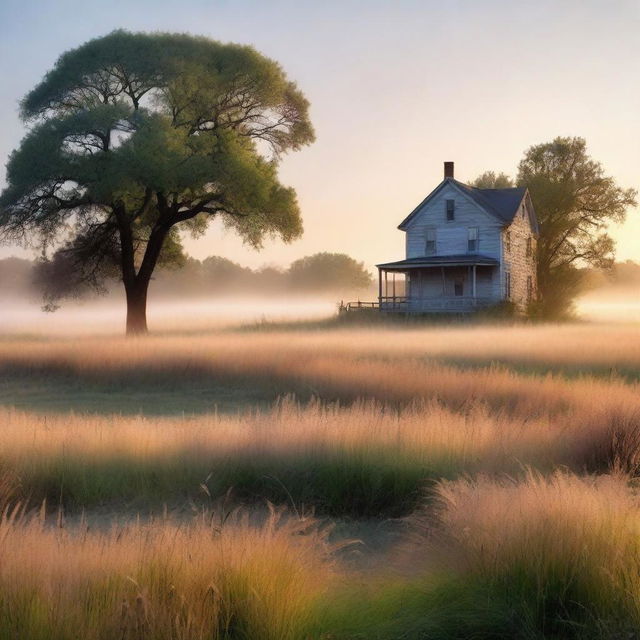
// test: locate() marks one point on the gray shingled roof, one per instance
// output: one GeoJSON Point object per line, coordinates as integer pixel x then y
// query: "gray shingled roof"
{"type": "Point", "coordinates": [500, 203]}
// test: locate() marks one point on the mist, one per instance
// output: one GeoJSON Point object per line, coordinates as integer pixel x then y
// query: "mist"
{"type": "Point", "coordinates": [612, 304]}
{"type": "Point", "coordinates": [107, 316]}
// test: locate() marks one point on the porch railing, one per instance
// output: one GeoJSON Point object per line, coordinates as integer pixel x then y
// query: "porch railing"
{"type": "Point", "coordinates": [421, 305]}
{"type": "Point", "coordinates": [428, 305]}
{"type": "Point", "coordinates": [359, 304]}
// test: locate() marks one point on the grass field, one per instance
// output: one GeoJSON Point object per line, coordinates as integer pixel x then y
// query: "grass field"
{"type": "Point", "coordinates": [489, 472]}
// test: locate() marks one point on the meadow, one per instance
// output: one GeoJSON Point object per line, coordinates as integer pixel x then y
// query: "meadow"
{"type": "Point", "coordinates": [322, 480]}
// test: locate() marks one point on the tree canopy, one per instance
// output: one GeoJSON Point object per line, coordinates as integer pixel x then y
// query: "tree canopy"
{"type": "Point", "coordinates": [575, 201]}
{"type": "Point", "coordinates": [492, 180]}
{"type": "Point", "coordinates": [134, 136]}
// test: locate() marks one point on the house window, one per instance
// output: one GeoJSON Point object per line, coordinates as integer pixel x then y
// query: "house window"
{"type": "Point", "coordinates": [472, 241]}
{"type": "Point", "coordinates": [430, 244]}
{"type": "Point", "coordinates": [529, 288]}
{"type": "Point", "coordinates": [528, 246]}
{"type": "Point", "coordinates": [507, 285]}
{"type": "Point", "coordinates": [451, 210]}
{"type": "Point", "coordinates": [507, 241]}
{"type": "Point", "coordinates": [458, 288]}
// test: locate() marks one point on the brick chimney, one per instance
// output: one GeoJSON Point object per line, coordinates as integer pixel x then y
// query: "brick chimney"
{"type": "Point", "coordinates": [448, 170]}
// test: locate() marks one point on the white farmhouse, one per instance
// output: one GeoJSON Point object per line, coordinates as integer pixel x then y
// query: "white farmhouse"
{"type": "Point", "coordinates": [466, 248]}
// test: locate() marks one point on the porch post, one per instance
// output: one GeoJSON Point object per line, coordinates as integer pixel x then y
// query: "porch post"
{"type": "Point", "coordinates": [386, 286]}
{"type": "Point", "coordinates": [474, 283]}
{"type": "Point", "coordinates": [379, 287]}
{"type": "Point", "coordinates": [393, 288]}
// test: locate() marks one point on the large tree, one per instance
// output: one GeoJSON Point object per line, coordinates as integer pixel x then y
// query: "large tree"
{"type": "Point", "coordinates": [575, 201]}
{"type": "Point", "coordinates": [133, 137]}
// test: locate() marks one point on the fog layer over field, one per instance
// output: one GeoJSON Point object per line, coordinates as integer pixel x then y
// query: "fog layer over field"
{"type": "Point", "coordinates": [611, 305]}
{"type": "Point", "coordinates": [108, 316]}
{"type": "Point", "coordinates": [192, 314]}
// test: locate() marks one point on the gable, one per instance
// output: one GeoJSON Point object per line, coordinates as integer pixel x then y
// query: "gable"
{"type": "Point", "coordinates": [502, 205]}
{"type": "Point", "coordinates": [530, 220]}
{"type": "Point", "coordinates": [432, 210]}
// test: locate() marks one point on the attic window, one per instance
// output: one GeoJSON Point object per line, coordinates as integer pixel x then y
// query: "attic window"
{"type": "Point", "coordinates": [507, 241]}
{"type": "Point", "coordinates": [528, 247]}
{"type": "Point", "coordinates": [451, 207]}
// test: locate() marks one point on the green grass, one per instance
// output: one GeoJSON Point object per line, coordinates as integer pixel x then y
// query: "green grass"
{"type": "Point", "coordinates": [369, 484]}
{"type": "Point", "coordinates": [153, 395]}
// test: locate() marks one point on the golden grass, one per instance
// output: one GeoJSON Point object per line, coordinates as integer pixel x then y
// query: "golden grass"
{"type": "Point", "coordinates": [167, 581]}
{"type": "Point", "coordinates": [454, 420]}
{"type": "Point", "coordinates": [340, 365]}
{"type": "Point", "coordinates": [566, 547]}
{"type": "Point", "coordinates": [288, 428]}
{"type": "Point", "coordinates": [606, 345]}
{"type": "Point", "coordinates": [361, 458]}
{"type": "Point", "coordinates": [391, 413]}
{"type": "Point", "coordinates": [389, 365]}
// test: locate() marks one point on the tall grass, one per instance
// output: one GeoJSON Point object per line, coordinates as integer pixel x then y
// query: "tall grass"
{"type": "Point", "coordinates": [529, 557]}
{"type": "Point", "coordinates": [386, 366]}
{"type": "Point", "coordinates": [537, 558]}
{"type": "Point", "coordinates": [239, 581]}
{"type": "Point", "coordinates": [564, 550]}
{"type": "Point", "coordinates": [607, 346]}
{"type": "Point", "coordinates": [363, 459]}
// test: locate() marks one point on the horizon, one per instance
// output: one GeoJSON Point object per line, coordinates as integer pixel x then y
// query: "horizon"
{"type": "Point", "coordinates": [450, 82]}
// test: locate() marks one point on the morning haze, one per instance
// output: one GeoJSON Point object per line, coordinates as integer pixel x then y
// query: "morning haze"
{"type": "Point", "coordinates": [406, 423]}
{"type": "Point", "coordinates": [395, 88]}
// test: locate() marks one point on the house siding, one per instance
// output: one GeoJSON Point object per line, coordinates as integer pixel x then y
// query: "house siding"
{"type": "Point", "coordinates": [516, 260]}
{"type": "Point", "coordinates": [452, 237]}
{"type": "Point", "coordinates": [431, 287]}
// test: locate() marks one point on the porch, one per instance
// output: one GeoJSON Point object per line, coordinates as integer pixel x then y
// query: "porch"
{"type": "Point", "coordinates": [445, 284]}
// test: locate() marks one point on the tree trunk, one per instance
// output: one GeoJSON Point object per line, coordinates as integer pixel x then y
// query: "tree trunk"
{"type": "Point", "coordinates": [137, 309]}
{"type": "Point", "coordinates": [136, 285]}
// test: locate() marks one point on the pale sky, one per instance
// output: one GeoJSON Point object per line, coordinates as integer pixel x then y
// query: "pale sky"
{"type": "Point", "coordinates": [396, 87]}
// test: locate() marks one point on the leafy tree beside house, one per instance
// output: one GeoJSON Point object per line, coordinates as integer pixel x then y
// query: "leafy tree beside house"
{"type": "Point", "coordinates": [575, 201]}
{"type": "Point", "coordinates": [134, 137]}
{"type": "Point", "coordinates": [492, 180]}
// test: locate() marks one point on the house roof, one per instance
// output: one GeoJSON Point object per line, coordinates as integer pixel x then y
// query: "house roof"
{"type": "Point", "coordinates": [462, 260]}
{"type": "Point", "coordinates": [502, 204]}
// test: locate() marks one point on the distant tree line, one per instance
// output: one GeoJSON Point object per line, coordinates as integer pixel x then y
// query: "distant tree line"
{"type": "Point", "coordinates": [322, 273]}
{"type": "Point", "coordinates": [623, 275]}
